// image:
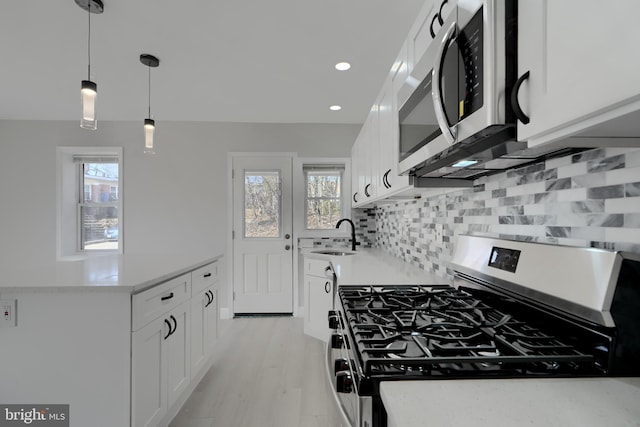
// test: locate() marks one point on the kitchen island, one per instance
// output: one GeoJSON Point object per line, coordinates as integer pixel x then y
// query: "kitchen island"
{"type": "Point", "coordinates": [548, 402]}
{"type": "Point", "coordinates": [77, 334]}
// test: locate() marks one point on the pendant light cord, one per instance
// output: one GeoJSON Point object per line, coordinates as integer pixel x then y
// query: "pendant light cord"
{"type": "Point", "coordinates": [89, 44]}
{"type": "Point", "coordinates": [149, 67]}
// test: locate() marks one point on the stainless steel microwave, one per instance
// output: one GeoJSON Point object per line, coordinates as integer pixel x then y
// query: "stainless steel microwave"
{"type": "Point", "coordinates": [460, 109]}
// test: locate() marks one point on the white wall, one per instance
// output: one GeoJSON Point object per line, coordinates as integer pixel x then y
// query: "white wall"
{"type": "Point", "coordinates": [174, 201]}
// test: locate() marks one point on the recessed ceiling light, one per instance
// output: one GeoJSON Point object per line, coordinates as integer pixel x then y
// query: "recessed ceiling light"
{"type": "Point", "coordinates": [335, 108]}
{"type": "Point", "coordinates": [343, 66]}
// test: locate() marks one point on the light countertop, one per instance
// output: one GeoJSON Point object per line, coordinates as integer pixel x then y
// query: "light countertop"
{"type": "Point", "coordinates": [376, 267]}
{"type": "Point", "coordinates": [129, 273]}
{"type": "Point", "coordinates": [550, 402]}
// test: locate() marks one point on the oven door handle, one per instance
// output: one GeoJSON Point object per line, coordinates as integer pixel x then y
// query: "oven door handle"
{"type": "Point", "coordinates": [436, 93]}
{"type": "Point", "coordinates": [329, 375]}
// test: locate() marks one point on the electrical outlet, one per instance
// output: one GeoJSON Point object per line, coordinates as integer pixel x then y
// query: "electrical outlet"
{"type": "Point", "coordinates": [8, 312]}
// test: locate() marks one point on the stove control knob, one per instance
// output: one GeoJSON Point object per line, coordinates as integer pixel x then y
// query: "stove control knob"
{"type": "Point", "coordinates": [337, 341]}
{"type": "Point", "coordinates": [334, 320]}
{"type": "Point", "coordinates": [344, 382]}
{"type": "Point", "coordinates": [340, 365]}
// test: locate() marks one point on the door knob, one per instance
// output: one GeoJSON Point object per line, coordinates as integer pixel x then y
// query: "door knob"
{"type": "Point", "coordinates": [287, 247]}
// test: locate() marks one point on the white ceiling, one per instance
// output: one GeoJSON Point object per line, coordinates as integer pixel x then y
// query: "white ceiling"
{"type": "Point", "coordinates": [220, 60]}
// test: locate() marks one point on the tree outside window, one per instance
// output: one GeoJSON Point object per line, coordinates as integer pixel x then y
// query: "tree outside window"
{"type": "Point", "coordinates": [323, 199]}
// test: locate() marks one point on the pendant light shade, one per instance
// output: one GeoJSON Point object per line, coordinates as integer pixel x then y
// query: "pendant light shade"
{"type": "Point", "coordinates": [88, 94]}
{"type": "Point", "coordinates": [149, 123]}
{"type": "Point", "coordinates": [149, 129]}
{"type": "Point", "coordinates": [89, 89]}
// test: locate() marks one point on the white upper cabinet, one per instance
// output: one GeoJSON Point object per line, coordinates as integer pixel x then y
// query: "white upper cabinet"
{"type": "Point", "coordinates": [369, 154]}
{"type": "Point", "coordinates": [581, 56]}
{"type": "Point", "coordinates": [389, 180]}
{"type": "Point", "coordinates": [356, 196]}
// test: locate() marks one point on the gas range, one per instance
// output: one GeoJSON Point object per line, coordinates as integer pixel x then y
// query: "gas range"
{"type": "Point", "coordinates": [485, 326]}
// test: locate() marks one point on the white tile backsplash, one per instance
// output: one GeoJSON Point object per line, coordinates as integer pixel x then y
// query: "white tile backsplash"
{"type": "Point", "coordinates": [555, 202]}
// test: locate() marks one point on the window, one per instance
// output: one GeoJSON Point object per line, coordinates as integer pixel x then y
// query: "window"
{"type": "Point", "coordinates": [89, 201]}
{"type": "Point", "coordinates": [262, 204]}
{"type": "Point", "coordinates": [98, 213]}
{"type": "Point", "coordinates": [323, 196]}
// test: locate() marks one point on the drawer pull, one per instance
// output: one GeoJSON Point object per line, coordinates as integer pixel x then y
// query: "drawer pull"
{"type": "Point", "coordinates": [167, 297]}
{"type": "Point", "coordinates": [207, 275]}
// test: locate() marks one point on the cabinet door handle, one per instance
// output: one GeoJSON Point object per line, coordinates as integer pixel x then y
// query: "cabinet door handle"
{"type": "Point", "coordinates": [207, 275]}
{"type": "Point", "coordinates": [366, 190]}
{"type": "Point", "coordinates": [169, 325]}
{"type": "Point", "coordinates": [433, 21]}
{"type": "Point", "coordinates": [167, 297]}
{"type": "Point", "coordinates": [327, 287]}
{"type": "Point", "coordinates": [355, 200]}
{"type": "Point", "coordinates": [440, 20]}
{"type": "Point", "coordinates": [385, 179]}
{"type": "Point", "coordinates": [514, 99]}
{"type": "Point", "coordinates": [175, 324]}
{"type": "Point", "coordinates": [209, 295]}
{"type": "Point", "coordinates": [213, 298]}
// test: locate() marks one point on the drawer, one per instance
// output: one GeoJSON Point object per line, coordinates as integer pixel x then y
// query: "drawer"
{"type": "Point", "coordinates": [153, 303]}
{"type": "Point", "coordinates": [317, 267]}
{"type": "Point", "coordinates": [204, 277]}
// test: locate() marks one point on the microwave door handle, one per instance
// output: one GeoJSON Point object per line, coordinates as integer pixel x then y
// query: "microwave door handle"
{"type": "Point", "coordinates": [436, 93]}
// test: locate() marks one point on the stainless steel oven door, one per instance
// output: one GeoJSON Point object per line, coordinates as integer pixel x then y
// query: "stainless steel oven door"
{"type": "Point", "coordinates": [356, 411]}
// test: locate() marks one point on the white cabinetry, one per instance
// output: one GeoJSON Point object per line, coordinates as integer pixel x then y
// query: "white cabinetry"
{"type": "Point", "coordinates": [318, 287]}
{"type": "Point", "coordinates": [204, 316]}
{"type": "Point", "coordinates": [160, 349]}
{"type": "Point", "coordinates": [390, 182]}
{"type": "Point", "coordinates": [364, 162]}
{"type": "Point", "coordinates": [583, 76]}
{"type": "Point", "coordinates": [356, 195]}
{"type": "Point", "coordinates": [174, 329]}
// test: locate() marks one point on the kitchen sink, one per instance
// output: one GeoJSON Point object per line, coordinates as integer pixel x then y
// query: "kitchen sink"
{"type": "Point", "coordinates": [333, 253]}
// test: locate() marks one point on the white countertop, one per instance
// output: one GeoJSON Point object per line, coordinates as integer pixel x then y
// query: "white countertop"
{"type": "Point", "coordinates": [376, 267]}
{"type": "Point", "coordinates": [130, 273]}
{"type": "Point", "coordinates": [550, 402]}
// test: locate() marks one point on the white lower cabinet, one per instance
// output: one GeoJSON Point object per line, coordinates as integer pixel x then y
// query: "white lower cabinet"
{"type": "Point", "coordinates": [171, 352]}
{"type": "Point", "coordinates": [178, 346]}
{"type": "Point", "coordinates": [160, 365]}
{"type": "Point", "coordinates": [318, 288]}
{"type": "Point", "coordinates": [204, 326]}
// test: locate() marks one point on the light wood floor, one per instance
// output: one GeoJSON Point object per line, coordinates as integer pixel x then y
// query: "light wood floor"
{"type": "Point", "coordinates": [266, 373]}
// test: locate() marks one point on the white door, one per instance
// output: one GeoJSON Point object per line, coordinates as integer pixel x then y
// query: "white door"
{"type": "Point", "coordinates": [262, 237]}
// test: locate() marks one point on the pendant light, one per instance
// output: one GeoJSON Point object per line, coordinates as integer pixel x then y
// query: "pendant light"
{"type": "Point", "coordinates": [88, 88]}
{"type": "Point", "coordinates": [149, 123]}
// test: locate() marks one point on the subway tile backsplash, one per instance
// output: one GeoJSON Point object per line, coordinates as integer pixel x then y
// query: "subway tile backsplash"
{"type": "Point", "coordinates": [590, 199]}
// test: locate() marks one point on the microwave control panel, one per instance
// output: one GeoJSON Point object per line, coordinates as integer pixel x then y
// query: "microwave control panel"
{"type": "Point", "coordinates": [470, 42]}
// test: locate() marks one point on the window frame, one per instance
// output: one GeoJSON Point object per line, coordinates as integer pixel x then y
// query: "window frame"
{"type": "Point", "coordinates": [299, 192]}
{"type": "Point", "coordinates": [319, 170]}
{"type": "Point", "coordinates": [70, 199]}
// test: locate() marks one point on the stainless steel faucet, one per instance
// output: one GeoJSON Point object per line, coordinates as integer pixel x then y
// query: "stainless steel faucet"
{"type": "Point", "coordinates": [353, 232]}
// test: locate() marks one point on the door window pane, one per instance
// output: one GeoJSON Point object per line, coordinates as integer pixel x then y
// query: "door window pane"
{"type": "Point", "coordinates": [262, 204]}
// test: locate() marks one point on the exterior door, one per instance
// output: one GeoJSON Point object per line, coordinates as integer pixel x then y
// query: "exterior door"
{"type": "Point", "coordinates": [262, 235]}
